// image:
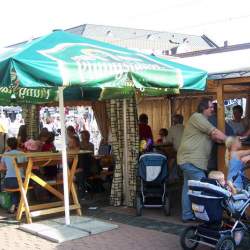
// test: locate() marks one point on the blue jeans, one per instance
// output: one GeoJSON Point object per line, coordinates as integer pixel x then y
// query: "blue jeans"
{"type": "Point", "coordinates": [11, 182]}
{"type": "Point", "coordinates": [190, 172]}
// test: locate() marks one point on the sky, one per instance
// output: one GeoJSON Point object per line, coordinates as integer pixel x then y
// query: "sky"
{"type": "Point", "coordinates": [220, 20]}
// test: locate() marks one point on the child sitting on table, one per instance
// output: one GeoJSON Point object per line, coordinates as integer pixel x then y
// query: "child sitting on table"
{"type": "Point", "coordinates": [235, 159]}
{"type": "Point", "coordinates": [6, 164]}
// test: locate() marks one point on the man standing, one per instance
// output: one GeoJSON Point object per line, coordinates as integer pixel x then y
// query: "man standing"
{"type": "Point", "coordinates": [194, 151]}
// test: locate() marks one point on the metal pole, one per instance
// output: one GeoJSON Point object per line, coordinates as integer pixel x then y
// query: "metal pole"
{"type": "Point", "coordinates": [125, 154]}
{"type": "Point", "coordinates": [64, 157]}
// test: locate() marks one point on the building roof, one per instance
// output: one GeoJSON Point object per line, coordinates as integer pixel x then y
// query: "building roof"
{"type": "Point", "coordinates": [148, 41]}
{"type": "Point", "coordinates": [145, 40]}
{"type": "Point", "coordinates": [221, 65]}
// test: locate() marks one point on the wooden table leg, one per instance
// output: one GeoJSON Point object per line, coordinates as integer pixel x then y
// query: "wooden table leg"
{"type": "Point", "coordinates": [23, 187]}
{"type": "Point", "coordinates": [71, 174]}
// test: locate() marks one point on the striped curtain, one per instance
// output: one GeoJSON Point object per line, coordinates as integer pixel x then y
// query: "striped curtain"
{"type": "Point", "coordinates": [115, 111]}
{"type": "Point", "coordinates": [133, 150]}
{"type": "Point", "coordinates": [31, 118]}
{"type": "Point", "coordinates": [116, 125]}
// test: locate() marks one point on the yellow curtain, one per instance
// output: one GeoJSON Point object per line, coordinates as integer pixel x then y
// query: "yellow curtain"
{"type": "Point", "coordinates": [158, 111]}
{"type": "Point", "coordinates": [101, 116]}
{"type": "Point", "coordinates": [185, 106]}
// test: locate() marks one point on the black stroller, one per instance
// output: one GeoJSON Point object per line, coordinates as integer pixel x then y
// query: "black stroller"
{"type": "Point", "coordinates": [153, 173]}
{"type": "Point", "coordinates": [209, 201]}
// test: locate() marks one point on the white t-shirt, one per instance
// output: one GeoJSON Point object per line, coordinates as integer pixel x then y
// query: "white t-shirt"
{"type": "Point", "coordinates": [174, 135]}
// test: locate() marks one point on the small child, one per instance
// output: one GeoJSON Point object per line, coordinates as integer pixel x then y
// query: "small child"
{"type": "Point", "coordinates": [6, 164]}
{"type": "Point", "coordinates": [163, 133]}
{"type": "Point", "coordinates": [235, 160]}
{"type": "Point", "coordinates": [219, 176]}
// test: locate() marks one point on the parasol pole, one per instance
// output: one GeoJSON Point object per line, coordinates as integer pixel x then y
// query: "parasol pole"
{"type": "Point", "coordinates": [64, 157]}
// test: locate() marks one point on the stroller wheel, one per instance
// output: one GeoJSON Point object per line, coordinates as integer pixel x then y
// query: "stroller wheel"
{"type": "Point", "coordinates": [225, 243]}
{"type": "Point", "coordinates": [138, 205]}
{"type": "Point", "coordinates": [166, 206]}
{"type": "Point", "coordinates": [189, 238]}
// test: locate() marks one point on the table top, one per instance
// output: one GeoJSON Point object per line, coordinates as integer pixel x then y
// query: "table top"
{"type": "Point", "coordinates": [46, 154]}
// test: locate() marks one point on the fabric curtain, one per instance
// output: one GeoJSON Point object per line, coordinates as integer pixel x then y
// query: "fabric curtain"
{"type": "Point", "coordinates": [115, 111]}
{"type": "Point", "coordinates": [158, 112]}
{"type": "Point", "coordinates": [133, 150]}
{"type": "Point", "coordinates": [116, 125]}
{"type": "Point", "coordinates": [101, 116]}
{"type": "Point", "coordinates": [185, 106]}
{"type": "Point", "coordinates": [31, 118]}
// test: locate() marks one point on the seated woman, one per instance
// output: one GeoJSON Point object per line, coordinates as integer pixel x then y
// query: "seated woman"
{"type": "Point", "coordinates": [104, 148]}
{"type": "Point", "coordinates": [106, 159]}
{"type": "Point", "coordinates": [82, 171]}
{"type": "Point", "coordinates": [6, 164]}
{"type": "Point", "coordinates": [22, 137]}
{"type": "Point", "coordinates": [49, 172]}
{"type": "Point", "coordinates": [73, 143]}
{"type": "Point", "coordinates": [240, 125]}
{"type": "Point", "coordinates": [85, 143]}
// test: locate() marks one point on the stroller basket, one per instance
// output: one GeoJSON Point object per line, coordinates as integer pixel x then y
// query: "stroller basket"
{"type": "Point", "coordinates": [153, 174]}
{"type": "Point", "coordinates": [153, 167]}
{"type": "Point", "coordinates": [207, 201]}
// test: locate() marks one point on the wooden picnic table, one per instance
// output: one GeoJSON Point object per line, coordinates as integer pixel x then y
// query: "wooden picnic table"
{"type": "Point", "coordinates": [43, 159]}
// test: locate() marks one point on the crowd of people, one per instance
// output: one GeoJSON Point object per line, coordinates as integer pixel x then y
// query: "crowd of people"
{"type": "Point", "coordinates": [193, 143]}
{"type": "Point", "coordinates": [87, 165]}
{"type": "Point", "coordinates": [196, 146]}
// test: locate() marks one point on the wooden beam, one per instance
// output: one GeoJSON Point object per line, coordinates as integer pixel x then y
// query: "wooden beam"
{"type": "Point", "coordinates": [221, 126]}
{"type": "Point", "coordinates": [53, 210]}
{"type": "Point", "coordinates": [236, 80]}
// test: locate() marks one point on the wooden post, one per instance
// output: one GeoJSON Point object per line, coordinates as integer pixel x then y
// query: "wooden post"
{"type": "Point", "coordinates": [221, 125]}
{"type": "Point", "coordinates": [169, 112]}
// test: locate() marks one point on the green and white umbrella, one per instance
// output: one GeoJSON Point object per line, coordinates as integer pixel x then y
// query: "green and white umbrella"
{"type": "Point", "coordinates": [41, 70]}
{"type": "Point", "coordinates": [105, 70]}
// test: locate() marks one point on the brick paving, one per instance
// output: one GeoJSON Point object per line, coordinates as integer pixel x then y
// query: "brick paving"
{"type": "Point", "coordinates": [126, 237]}
{"type": "Point", "coordinates": [135, 233]}
{"type": "Point", "coordinates": [152, 231]}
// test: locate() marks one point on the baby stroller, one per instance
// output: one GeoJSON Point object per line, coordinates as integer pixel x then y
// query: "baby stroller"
{"type": "Point", "coordinates": [208, 203]}
{"type": "Point", "coordinates": [153, 174]}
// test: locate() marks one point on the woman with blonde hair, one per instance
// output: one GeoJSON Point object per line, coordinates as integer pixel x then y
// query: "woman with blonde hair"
{"type": "Point", "coordinates": [235, 159]}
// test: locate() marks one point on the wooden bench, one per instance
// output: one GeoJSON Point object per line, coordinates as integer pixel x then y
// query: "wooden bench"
{"type": "Point", "coordinates": [14, 190]}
